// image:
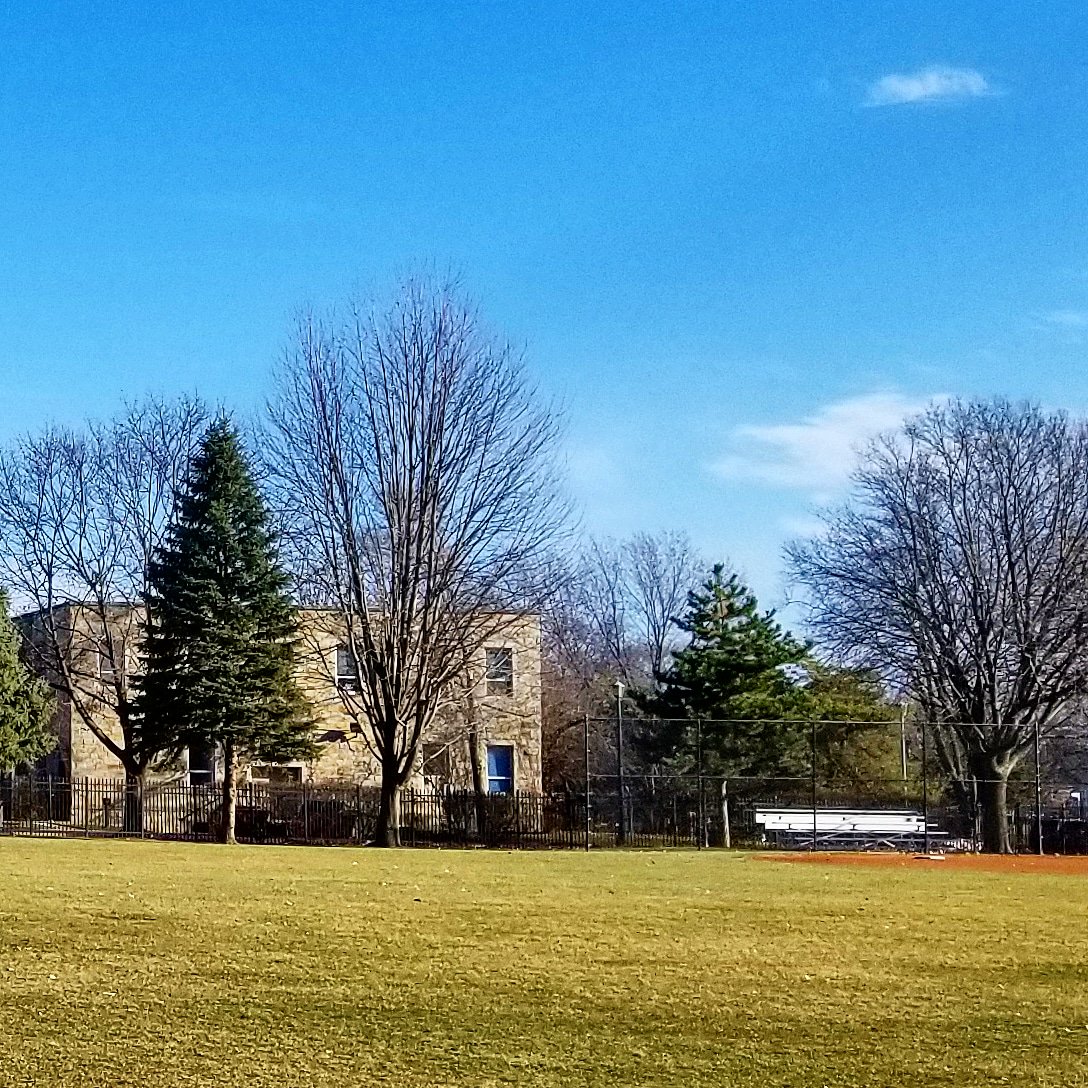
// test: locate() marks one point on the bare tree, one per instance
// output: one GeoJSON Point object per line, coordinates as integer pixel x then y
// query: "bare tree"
{"type": "Point", "coordinates": [663, 569]}
{"type": "Point", "coordinates": [578, 668]}
{"type": "Point", "coordinates": [81, 511]}
{"type": "Point", "coordinates": [960, 568]}
{"type": "Point", "coordinates": [630, 593]}
{"type": "Point", "coordinates": [416, 466]}
{"type": "Point", "coordinates": [613, 619]}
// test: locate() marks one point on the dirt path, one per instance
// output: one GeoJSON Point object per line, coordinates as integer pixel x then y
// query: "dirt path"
{"type": "Point", "coordinates": [993, 863]}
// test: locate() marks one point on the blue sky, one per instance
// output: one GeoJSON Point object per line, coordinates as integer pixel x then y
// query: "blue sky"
{"type": "Point", "coordinates": [735, 238]}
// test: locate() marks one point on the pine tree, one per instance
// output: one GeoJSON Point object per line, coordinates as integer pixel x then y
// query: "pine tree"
{"type": "Point", "coordinates": [733, 649]}
{"type": "Point", "coordinates": [756, 689]}
{"type": "Point", "coordinates": [730, 671]}
{"type": "Point", "coordinates": [221, 631]}
{"type": "Point", "coordinates": [26, 703]}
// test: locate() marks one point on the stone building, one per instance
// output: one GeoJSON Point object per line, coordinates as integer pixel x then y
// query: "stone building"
{"type": "Point", "coordinates": [487, 735]}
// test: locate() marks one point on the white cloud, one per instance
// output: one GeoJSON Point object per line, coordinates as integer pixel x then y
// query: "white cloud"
{"type": "Point", "coordinates": [933, 84]}
{"type": "Point", "coordinates": [1067, 319]}
{"type": "Point", "coordinates": [818, 453]}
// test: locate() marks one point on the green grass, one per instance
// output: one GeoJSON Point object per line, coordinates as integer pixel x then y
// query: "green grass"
{"type": "Point", "coordinates": [161, 965]}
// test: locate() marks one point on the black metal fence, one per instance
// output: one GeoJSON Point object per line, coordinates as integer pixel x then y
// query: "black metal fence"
{"type": "Point", "coordinates": [286, 814]}
{"type": "Point", "coordinates": [656, 811]}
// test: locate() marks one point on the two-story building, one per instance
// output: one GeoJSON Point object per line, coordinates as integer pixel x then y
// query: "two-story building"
{"type": "Point", "coordinates": [486, 735]}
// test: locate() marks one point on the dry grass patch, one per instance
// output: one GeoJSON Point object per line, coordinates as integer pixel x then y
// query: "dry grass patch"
{"type": "Point", "coordinates": [148, 964]}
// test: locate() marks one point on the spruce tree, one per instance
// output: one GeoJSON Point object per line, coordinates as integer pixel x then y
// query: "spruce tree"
{"type": "Point", "coordinates": [221, 631]}
{"type": "Point", "coordinates": [26, 703]}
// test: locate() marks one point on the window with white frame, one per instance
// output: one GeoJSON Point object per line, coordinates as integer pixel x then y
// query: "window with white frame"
{"type": "Point", "coordinates": [347, 675]}
{"type": "Point", "coordinates": [275, 774]}
{"type": "Point", "coordinates": [106, 672]}
{"type": "Point", "coordinates": [499, 670]}
{"type": "Point", "coordinates": [437, 764]}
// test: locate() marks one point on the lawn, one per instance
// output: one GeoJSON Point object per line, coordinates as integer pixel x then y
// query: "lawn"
{"type": "Point", "coordinates": [156, 965]}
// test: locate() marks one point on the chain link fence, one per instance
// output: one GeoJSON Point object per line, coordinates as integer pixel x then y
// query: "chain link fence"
{"type": "Point", "coordinates": [655, 811]}
{"type": "Point", "coordinates": [836, 795]}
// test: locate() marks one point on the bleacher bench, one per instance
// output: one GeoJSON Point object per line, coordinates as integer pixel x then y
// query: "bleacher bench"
{"type": "Point", "coordinates": [846, 828]}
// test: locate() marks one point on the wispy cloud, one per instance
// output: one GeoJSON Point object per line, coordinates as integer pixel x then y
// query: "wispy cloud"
{"type": "Point", "coordinates": [817, 453]}
{"type": "Point", "coordinates": [1067, 319]}
{"type": "Point", "coordinates": [937, 83]}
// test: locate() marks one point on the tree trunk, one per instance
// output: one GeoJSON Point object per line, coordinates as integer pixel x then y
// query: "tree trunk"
{"type": "Point", "coordinates": [479, 795]}
{"type": "Point", "coordinates": [230, 795]}
{"type": "Point", "coordinates": [992, 778]}
{"type": "Point", "coordinates": [132, 815]}
{"type": "Point", "coordinates": [387, 832]}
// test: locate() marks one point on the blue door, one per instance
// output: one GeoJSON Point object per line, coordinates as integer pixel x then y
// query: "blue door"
{"type": "Point", "coordinates": [500, 768]}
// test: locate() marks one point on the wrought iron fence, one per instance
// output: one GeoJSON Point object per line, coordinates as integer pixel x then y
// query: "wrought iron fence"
{"type": "Point", "coordinates": [655, 811]}
{"type": "Point", "coordinates": [286, 814]}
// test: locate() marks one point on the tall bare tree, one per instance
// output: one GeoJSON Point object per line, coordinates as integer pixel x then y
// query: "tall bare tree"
{"type": "Point", "coordinates": [961, 568]}
{"type": "Point", "coordinates": [81, 512]}
{"type": "Point", "coordinates": [417, 468]}
{"type": "Point", "coordinates": [630, 593]}
{"type": "Point", "coordinates": [612, 619]}
{"type": "Point", "coordinates": [662, 569]}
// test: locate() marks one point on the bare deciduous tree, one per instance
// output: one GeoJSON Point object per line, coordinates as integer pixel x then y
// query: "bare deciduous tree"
{"type": "Point", "coordinates": [630, 593]}
{"type": "Point", "coordinates": [81, 511]}
{"type": "Point", "coordinates": [961, 569]}
{"type": "Point", "coordinates": [613, 619]}
{"type": "Point", "coordinates": [663, 569]}
{"type": "Point", "coordinates": [416, 467]}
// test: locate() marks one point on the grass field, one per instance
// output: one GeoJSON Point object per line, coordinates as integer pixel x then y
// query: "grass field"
{"type": "Point", "coordinates": [161, 965]}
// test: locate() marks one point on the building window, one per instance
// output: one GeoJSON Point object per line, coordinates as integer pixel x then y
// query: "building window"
{"type": "Point", "coordinates": [106, 671]}
{"type": "Point", "coordinates": [500, 768]}
{"type": "Point", "coordinates": [347, 675]}
{"type": "Point", "coordinates": [275, 774]}
{"type": "Point", "coordinates": [201, 764]}
{"type": "Point", "coordinates": [499, 671]}
{"type": "Point", "coordinates": [437, 766]}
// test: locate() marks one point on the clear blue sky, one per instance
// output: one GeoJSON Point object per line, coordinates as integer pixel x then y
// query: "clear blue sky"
{"type": "Point", "coordinates": [734, 237]}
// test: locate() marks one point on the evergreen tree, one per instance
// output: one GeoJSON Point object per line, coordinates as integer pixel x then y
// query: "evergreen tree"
{"type": "Point", "coordinates": [754, 686]}
{"type": "Point", "coordinates": [734, 651]}
{"type": "Point", "coordinates": [26, 703]}
{"type": "Point", "coordinates": [220, 630]}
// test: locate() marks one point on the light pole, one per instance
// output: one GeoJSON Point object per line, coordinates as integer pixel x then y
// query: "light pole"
{"type": "Point", "coordinates": [621, 838]}
{"type": "Point", "coordinates": [1038, 792]}
{"type": "Point", "coordinates": [903, 743]}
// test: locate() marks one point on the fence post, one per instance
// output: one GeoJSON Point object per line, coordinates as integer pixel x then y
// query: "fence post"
{"type": "Point", "coordinates": [1038, 794]}
{"type": "Point", "coordinates": [700, 805]}
{"type": "Point", "coordinates": [305, 813]}
{"type": "Point", "coordinates": [621, 835]}
{"type": "Point", "coordinates": [925, 789]}
{"type": "Point", "coordinates": [815, 829]}
{"type": "Point", "coordinates": [727, 837]}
